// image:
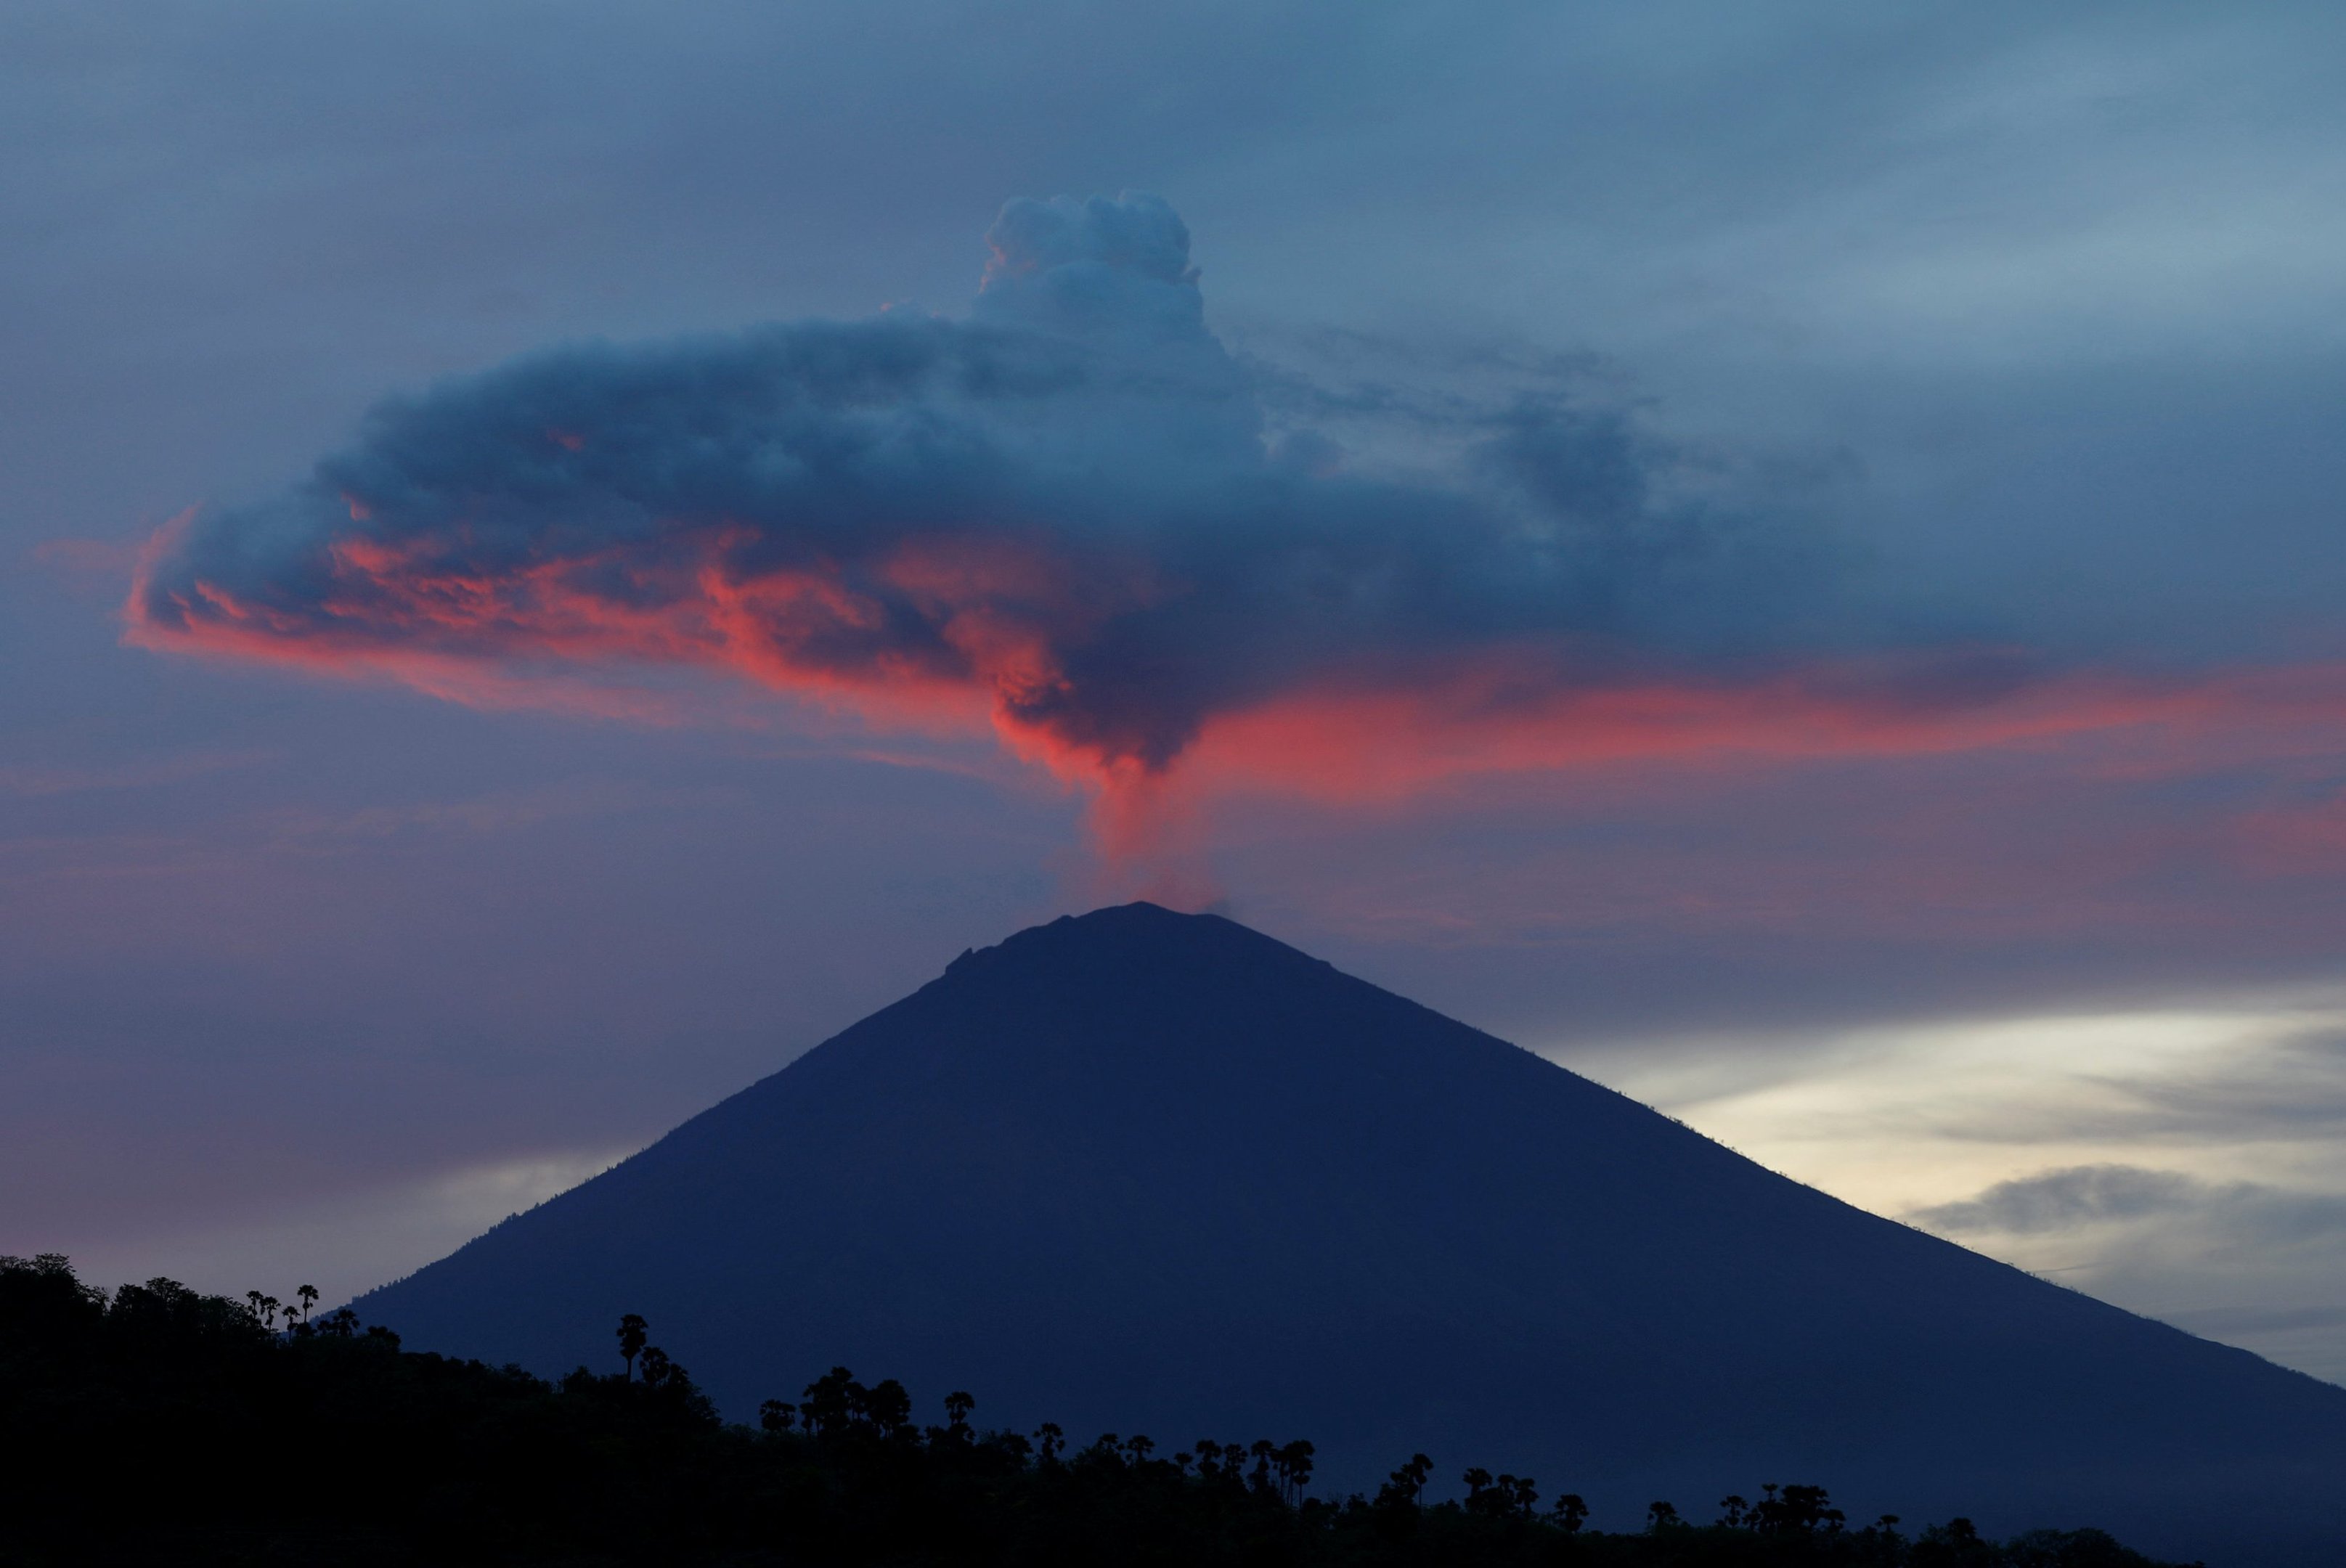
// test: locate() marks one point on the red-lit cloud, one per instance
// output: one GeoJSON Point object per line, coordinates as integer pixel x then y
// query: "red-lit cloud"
{"type": "Point", "coordinates": [1379, 743]}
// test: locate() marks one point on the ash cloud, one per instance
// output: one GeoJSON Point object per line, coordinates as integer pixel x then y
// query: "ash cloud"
{"type": "Point", "coordinates": [1066, 510]}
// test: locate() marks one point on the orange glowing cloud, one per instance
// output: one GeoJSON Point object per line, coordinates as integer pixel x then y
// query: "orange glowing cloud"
{"type": "Point", "coordinates": [1000, 612]}
{"type": "Point", "coordinates": [527, 638]}
{"type": "Point", "coordinates": [1371, 743]}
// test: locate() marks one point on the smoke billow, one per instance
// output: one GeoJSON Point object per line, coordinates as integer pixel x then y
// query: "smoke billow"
{"type": "Point", "coordinates": [1075, 513]}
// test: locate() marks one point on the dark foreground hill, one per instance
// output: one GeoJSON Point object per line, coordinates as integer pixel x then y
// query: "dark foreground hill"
{"type": "Point", "coordinates": [1156, 1171]}
{"type": "Point", "coordinates": [160, 1426]}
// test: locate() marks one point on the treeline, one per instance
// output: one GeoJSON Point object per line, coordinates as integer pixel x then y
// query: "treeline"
{"type": "Point", "coordinates": [158, 1425]}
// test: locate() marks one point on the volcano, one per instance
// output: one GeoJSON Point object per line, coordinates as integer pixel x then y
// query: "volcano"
{"type": "Point", "coordinates": [1151, 1172]}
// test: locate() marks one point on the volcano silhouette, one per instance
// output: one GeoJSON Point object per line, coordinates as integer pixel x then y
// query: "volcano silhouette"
{"type": "Point", "coordinates": [1143, 1171]}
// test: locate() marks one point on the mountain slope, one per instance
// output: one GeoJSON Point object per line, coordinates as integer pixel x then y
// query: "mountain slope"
{"type": "Point", "coordinates": [1158, 1172]}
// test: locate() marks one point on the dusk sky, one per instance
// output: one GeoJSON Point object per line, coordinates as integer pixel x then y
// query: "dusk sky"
{"type": "Point", "coordinates": [1787, 558]}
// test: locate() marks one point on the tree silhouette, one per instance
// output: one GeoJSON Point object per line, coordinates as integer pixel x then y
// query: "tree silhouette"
{"type": "Point", "coordinates": [1784, 1510]}
{"type": "Point", "coordinates": [633, 1331]}
{"type": "Point", "coordinates": [889, 1408]}
{"type": "Point", "coordinates": [1292, 1464]}
{"type": "Point", "coordinates": [1504, 1497]}
{"type": "Point", "coordinates": [1406, 1485]}
{"type": "Point", "coordinates": [834, 1402]}
{"type": "Point", "coordinates": [129, 1420]}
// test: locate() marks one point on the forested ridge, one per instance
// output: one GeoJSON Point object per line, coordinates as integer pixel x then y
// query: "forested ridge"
{"type": "Point", "coordinates": [155, 1424]}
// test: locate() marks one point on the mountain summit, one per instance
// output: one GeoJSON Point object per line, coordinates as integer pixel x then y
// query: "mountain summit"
{"type": "Point", "coordinates": [1148, 1171]}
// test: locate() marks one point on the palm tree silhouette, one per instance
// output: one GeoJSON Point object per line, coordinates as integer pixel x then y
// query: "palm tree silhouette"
{"type": "Point", "coordinates": [1404, 1487]}
{"type": "Point", "coordinates": [632, 1332]}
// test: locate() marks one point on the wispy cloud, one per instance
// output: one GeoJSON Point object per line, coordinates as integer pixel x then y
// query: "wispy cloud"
{"type": "Point", "coordinates": [36, 779]}
{"type": "Point", "coordinates": [2078, 1197]}
{"type": "Point", "coordinates": [2184, 1163]}
{"type": "Point", "coordinates": [112, 559]}
{"type": "Point", "coordinates": [345, 1241]}
{"type": "Point", "coordinates": [507, 812]}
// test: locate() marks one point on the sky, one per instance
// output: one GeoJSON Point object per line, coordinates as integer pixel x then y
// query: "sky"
{"type": "Point", "coordinates": [1785, 557]}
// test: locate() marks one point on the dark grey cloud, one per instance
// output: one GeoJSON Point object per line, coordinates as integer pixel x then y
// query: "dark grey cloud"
{"type": "Point", "coordinates": [2257, 1264]}
{"type": "Point", "coordinates": [2060, 1199]}
{"type": "Point", "coordinates": [2083, 1196]}
{"type": "Point", "coordinates": [1068, 504]}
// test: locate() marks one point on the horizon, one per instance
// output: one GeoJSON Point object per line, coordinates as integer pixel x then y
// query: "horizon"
{"type": "Point", "coordinates": [1786, 563]}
